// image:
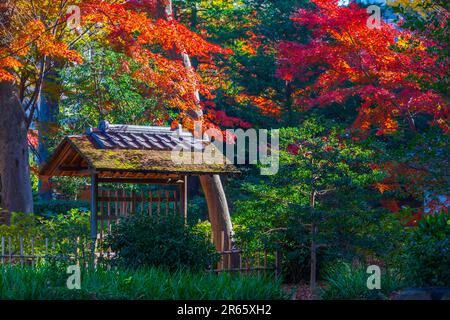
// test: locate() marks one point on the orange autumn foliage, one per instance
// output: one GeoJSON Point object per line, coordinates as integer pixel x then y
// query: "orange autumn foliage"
{"type": "Point", "coordinates": [131, 27]}
{"type": "Point", "coordinates": [158, 45]}
{"type": "Point", "coordinates": [32, 37]}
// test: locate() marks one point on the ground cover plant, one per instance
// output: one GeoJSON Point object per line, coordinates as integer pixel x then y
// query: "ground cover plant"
{"type": "Point", "coordinates": [49, 282]}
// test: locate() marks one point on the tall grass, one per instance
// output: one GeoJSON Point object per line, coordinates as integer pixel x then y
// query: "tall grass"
{"type": "Point", "coordinates": [346, 282]}
{"type": "Point", "coordinates": [49, 282]}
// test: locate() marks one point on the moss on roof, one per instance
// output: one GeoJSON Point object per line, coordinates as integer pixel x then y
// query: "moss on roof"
{"type": "Point", "coordinates": [144, 160]}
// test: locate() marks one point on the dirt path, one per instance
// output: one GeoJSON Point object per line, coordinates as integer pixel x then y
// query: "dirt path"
{"type": "Point", "coordinates": [298, 291]}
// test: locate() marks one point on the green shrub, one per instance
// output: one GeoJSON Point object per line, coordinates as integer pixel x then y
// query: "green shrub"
{"type": "Point", "coordinates": [426, 255]}
{"type": "Point", "coordinates": [49, 282]}
{"type": "Point", "coordinates": [262, 223]}
{"type": "Point", "coordinates": [73, 223]}
{"type": "Point", "coordinates": [342, 281]}
{"type": "Point", "coordinates": [22, 224]}
{"type": "Point", "coordinates": [55, 207]}
{"type": "Point", "coordinates": [65, 233]}
{"type": "Point", "coordinates": [318, 161]}
{"type": "Point", "coordinates": [142, 240]}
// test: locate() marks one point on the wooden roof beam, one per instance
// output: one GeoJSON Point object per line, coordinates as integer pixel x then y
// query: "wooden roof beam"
{"type": "Point", "coordinates": [141, 181]}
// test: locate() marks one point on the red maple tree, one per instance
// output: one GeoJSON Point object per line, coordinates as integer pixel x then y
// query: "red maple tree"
{"type": "Point", "coordinates": [387, 68]}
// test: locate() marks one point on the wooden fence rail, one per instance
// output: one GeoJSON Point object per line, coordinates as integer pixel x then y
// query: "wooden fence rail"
{"type": "Point", "coordinates": [31, 251]}
{"type": "Point", "coordinates": [260, 261]}
{"type": "Point", "coordinates": [16, 250]}
{"type": "Point", "coordinates": [122, 203]}
{"type": "Point", "coordinates": [116, 204]}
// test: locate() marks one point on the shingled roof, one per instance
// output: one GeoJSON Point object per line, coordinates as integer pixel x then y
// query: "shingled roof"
{"type": "Point", "coordinates": [143, 138]}
{"type": "Point", "coordinates": [130, 151]}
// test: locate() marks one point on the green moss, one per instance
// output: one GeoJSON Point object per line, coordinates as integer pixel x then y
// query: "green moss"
{"type": "Point", "coordinates": [141, 160]}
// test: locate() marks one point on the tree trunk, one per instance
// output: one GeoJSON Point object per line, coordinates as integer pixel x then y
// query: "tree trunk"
{"type": "Point", "coordinates": [219, 214]}
{"type": "Point", "coordinates": [15, 182]}
{"type": "Point", "coordinates": [314, 231]}
{"type": "Point", "coordinates": [47, 118]}
{"type": "Point", "coordinates": [194, 16]}
{"type": "Point", "coordinates": [289, 115]}
{"type": "Point", "coordinates": [313, 275]}
{"type": "Point", "coordinates": [16, 195]}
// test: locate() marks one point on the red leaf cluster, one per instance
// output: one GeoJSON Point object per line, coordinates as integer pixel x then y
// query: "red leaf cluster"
{"type": "Point", "coordinates": [385, 67]}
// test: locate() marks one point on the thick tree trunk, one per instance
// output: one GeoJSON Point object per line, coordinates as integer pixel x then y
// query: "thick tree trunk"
{"type": "Point", "coordinates": [16, 195]}
{"type": "Point", "coordinates": [15, 182]}
{"type": "Point", "coordinates": [219, 215]}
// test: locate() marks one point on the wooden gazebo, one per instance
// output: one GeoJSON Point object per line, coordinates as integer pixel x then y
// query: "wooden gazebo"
{"type": "Point", "coordinates": [141, 154]}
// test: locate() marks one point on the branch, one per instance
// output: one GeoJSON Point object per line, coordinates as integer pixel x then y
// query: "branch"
{"type": "Point", "coordinates": [274, 229]}
{"type": "Point", "coordinates": [28, 43]}
{"type": "Point", "coordinates": [37, 92]}
{"type": "Point", "coordinates": [325, 191]}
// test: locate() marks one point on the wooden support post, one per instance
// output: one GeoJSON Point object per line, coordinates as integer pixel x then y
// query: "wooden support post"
{"type": "Point", "coordinates": [22, 256]}
{"type": "Point", "coordinates": [32, 252]}
{"type": "Point", "coordinates": [133, 202]}
{"type": "Point", "coordinates": [10, 249]}
{"type": "Point", "coordinates": [109, 212]}
{"type": "Point", "coordinates": [175, 203]}
{"type": "Point", "coordinates": [102, 212]}
{"type": "Point", "coordinates": [158, 192]}
{"type": "Point", "coordinates": [150, 204]}
{"type": "Point", "coordinates": [181, 199]}
{"type": "Point", "coordinates": [3, 250]}
{"type": "Point", "coordinates": [94, 209]}
{"type": "Point", "coordinates": [278, 261]}
{"type": "Point", "coordinates": [142, 202]}
{"type": "Point", "coordinates": [185, 198]}
{"type": "Point", "coordinates": [167, 202]}
{"type": "Point", "coordinates": [117, 205]}
{"type": "Point", "coordinates": [125, 203]}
